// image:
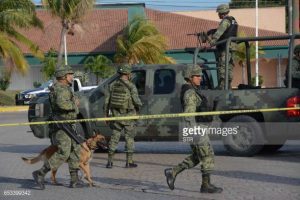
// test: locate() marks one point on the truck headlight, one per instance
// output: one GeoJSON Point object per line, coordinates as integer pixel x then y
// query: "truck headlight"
{"type": "Point", "coordinates": [29, 96]}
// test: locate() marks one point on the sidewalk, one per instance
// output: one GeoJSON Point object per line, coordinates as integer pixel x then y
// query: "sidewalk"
{"type": "Point", "coordinates": [13, 108]}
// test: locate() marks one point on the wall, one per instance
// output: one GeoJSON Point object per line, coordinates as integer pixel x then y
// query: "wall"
{"type": "Point", "coordinates": [268, 69]}
{"type": "Point", "coordinates": [272, 19]}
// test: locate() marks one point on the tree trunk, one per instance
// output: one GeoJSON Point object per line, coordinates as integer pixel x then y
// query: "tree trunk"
{"type": "Point", "coordinates": [61, 46]}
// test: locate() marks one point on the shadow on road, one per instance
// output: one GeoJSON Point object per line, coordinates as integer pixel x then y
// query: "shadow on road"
{"type": "Point", "coordinates": [23, 183]}
{"type": "Point", "coordinates": [30, 149]}
{"type": "Point", "coordinates": [149, 185]}
{"type": "Point", "coordinates": [254, 176]}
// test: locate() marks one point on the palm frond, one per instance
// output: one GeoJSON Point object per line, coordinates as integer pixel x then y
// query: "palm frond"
{"type": "Point", "coordinates": [19, 13]}
{"type": "Point", "coordinates": [12, 55]}
{"type": "Point", "coordinates": [141, 41]}
{"type": "Point", "coordinates": [33, 47]}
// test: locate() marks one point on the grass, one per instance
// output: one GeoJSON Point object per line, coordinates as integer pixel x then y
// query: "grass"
{"type": "Point", "coordinates": [7, 98]}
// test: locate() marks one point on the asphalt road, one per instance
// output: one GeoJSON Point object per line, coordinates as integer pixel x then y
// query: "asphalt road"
{"type": "Point", "coordinates": [275, 176]}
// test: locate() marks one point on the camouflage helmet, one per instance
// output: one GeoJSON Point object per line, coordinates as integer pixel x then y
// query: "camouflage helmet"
{"type": "Point", "coordinates": [223, 8]}
{"type": "Point", "coordinates": [62, 71]}
{"type": "Point", "coordinates": [124, 69]}
{"type": "Point", "coordinates": [297, 49]}
{"type": "Point", "coordinates": [191, 70]}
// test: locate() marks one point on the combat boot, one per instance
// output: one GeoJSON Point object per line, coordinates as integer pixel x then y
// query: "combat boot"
{"type": "Point", "coordinates": [170, 178]}
{"type": "Point", "coordinates": [75, 181]}
{"type": "Point", "coordinates": [39, 175]}
{"type": "Point", "coordinates": [109, 164]}
{"type": "Point", "coordinates": [207, 187]}
{"type": "Point", "coordinates": [129, 161]}
{"type": "Point", "coordinates": [131, 165]}
{"type": "Point", "coordinates": [39, 179]}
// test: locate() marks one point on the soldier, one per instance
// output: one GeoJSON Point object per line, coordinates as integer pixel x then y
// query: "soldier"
{"type": "Point", "coordinates": [64, 105]}
{"type": "Point", "coordinates": [202, 151]}
{"type": "Point", "coordinates": [227, 28]}
{"type": "Point", "coordinates": [122, 100]}
{"type": "Point", "coordinates": [295, 69]}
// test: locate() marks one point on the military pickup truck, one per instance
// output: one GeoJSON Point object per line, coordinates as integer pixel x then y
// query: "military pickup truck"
{"type": "Point", "coordinates": [159, 89]}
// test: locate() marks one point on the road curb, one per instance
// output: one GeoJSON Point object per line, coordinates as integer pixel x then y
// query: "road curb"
{"type": "Point", "coordinates": [13, 108]}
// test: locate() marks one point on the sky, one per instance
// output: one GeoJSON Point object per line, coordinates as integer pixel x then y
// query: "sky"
{"type": "Point", "coordinates": [170, 5]}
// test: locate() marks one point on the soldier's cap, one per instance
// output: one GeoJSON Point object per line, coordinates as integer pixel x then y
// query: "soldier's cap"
{"type": "Point", "coordinates": [125, 69]}
{"type": "Point", "coordinates": [63, 70]}
{"type": "Point", "coordinates": [192, 70]}
{"type": "Point", "coordinates": [297, 49]}
{"type": "Point", "coordinates": [223, 8]}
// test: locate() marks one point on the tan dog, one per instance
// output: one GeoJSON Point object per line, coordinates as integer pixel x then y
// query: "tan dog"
{"type": "Point", "coordinates": [86, 152]}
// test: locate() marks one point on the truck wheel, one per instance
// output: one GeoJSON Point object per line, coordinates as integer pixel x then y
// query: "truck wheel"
{"type": "Point", "coordinates": [104, 150]}
{"type": "Point", "coordinates": [80, 130]}
{"type": "Point", "coordinates": [273, 147]}
{"type": "Point", "coordinates": [249, 138]}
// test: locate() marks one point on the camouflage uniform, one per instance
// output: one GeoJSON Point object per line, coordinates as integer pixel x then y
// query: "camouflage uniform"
{"type": "Point", "coordinates": [122, 100]}
{"type": "Point", "coordinates": [63, 105]}
{"type": "Point", "coordinates": [227, 28]}
{"type": "Point", "coordinates": [202, 151]}
{"type": "Point", "coordinates": [295, 69]}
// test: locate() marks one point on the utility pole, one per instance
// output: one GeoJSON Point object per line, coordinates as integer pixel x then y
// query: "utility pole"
{"type": "Point", "coordinates": [256, 43]}
{"type": "Point", "coordinates": [295, 17]}
{"type": "Point", "coordinates": [290, 14]}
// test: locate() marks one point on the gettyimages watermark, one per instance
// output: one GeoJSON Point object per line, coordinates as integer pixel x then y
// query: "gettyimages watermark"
{"type": "Point", "coordinates": [240, 133]}
{"type": "Point", "coordinates": [198, 132]}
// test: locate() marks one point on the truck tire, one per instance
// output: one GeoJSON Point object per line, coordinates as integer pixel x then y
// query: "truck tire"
{"type": "Point", "coordinates": [272, 148]}
{"type": "Point", "coordinates": [104, 150]}
{"type": "Point", "coordinates": [80, 130]}
{"type": "Point", "coordinates": [249, 139]}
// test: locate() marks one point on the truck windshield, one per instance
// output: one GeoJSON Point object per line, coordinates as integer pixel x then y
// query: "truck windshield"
{"type": "Point", "coordinates": [46, 84]}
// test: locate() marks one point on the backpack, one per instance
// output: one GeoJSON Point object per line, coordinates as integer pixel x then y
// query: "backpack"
{"type": "Point", "coordinates": [121, 96]}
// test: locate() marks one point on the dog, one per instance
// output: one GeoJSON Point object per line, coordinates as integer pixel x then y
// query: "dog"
{"type": "Point", "coordinates": [86, 152]}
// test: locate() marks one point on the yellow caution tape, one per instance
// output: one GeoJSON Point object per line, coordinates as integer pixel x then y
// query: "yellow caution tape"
{"type": "Point", "coordinates": [142, 117]}
{"type": "Point", "coordinates": [13, 108]}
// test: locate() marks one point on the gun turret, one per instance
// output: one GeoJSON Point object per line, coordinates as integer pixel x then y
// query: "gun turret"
{"type": "Point", "coordinates": [202, 36]}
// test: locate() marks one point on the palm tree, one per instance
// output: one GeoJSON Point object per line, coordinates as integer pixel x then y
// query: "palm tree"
{"type": "Point", "coordinates": [15, 15]}
{"type": "Point", "coordinates": [70, 13]}
{"type": "Point", "coordinates": [49, 64]}
{"type": "Point", "coordinates": [100, 65]}
{"type": "Point", "coordinates": [141, 42]}
{"type": "Point", "coordinates": [240, 56]}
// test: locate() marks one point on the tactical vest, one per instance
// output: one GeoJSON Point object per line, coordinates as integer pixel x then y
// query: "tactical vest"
{"type": "Point", "coordinates": [121, 96]}
{"type": "Point", "coordinates": [230, 32]}
{"type": "Point", "coordinates": [203, 107]}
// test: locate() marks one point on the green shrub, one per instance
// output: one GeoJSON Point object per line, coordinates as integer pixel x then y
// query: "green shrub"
{"type": "Point", "coordinates": [7, 98]}
{"type": "Point", "coordinates": [260, 80]}
{"type": "Point", "coordinates": [4, 83]}
{"type": "Point", "coordinates": [36, 84]}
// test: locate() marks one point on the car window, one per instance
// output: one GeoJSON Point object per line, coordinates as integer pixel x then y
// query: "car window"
{"type": "Point", "coordinates": [46, 84]}
{"type": "Point", "coordinates": [164, 81]}
{"type": "Point", "coordinates": [75, 86]}
{"type": "Point", "coordinates": [139, 79]}
{"type": "Point", "coordinates": [205, 84]}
